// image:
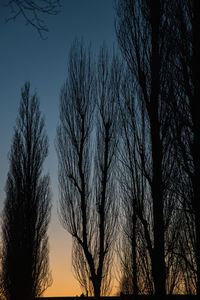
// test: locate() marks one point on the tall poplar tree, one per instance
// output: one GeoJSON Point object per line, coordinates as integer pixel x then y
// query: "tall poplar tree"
{"type": "Point", "coordinates": [26, 214]}
{"type": "Point", "coordinates": [142, 29]}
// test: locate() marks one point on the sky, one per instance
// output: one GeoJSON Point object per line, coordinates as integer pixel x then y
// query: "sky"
{"type": "Point", "coordinates": [25, 56]}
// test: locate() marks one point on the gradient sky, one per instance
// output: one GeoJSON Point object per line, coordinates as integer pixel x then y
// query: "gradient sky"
{"type": "Point", "coordinates": [24, 56]}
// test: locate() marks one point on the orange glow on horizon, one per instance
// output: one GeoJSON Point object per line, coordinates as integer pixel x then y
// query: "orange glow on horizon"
{"type": "Point", "coordinates": [60, 252]}
{"type": "Point", "coordinates": [63, 288]}
{"type": "Point", "coordinates": [60, 242]}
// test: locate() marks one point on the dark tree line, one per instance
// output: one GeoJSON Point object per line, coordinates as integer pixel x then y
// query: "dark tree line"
{"type": "Point", "coordinates": [128, 145]}
{"type": "Point", "coordinates": [143, 37]}
{"type": "Point", "coordinates": [159, 41]}
{"type": "Point", "coordinates": [156, 160]}
{"type": "Point", "coordinates": [187, 130]}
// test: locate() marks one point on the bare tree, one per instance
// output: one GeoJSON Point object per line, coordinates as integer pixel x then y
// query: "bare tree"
{"type": "Point", "coordinates": [86, 175]}
{"type": "Point", "coordinates": [26, 214]}
{"type": "Point", "coordinates": [142, 29]}
{"type": "Point", "coordinates": [108, 86]}
{"type": "Point", "coordinates": [187, 130]}
{"type": "Point", "coordinates": [135, 249]}
{"type": "Point", "coordinates": [32, 12]}
{"type": "Point", "coordinates": [74, 149]}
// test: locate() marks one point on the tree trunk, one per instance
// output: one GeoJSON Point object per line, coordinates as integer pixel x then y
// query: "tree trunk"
{"type": "Point", "coordinates": [158, 263]}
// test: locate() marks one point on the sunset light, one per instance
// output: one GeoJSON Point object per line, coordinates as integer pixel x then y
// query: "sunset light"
{"type": "Point", "coordinates": [100, 149]}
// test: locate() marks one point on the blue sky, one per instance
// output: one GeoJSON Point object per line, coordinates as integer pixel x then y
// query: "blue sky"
{"type": "Point", "coordinates": [25, 56]}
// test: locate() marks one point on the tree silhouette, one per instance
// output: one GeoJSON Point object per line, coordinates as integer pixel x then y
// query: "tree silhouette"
{"type": "Point", "coordinates": [135, 246]}
{"type": "Point", "coordinates": [143, 34]}
{"type": "Point", "coordinates": [32, 12]}
{"type": "Point", "coordinates": [107, 116]}
{"type": "Point", "coordinates": [86, 171]}
{"type": "Point", "coordinates": [26, 214]}
{"type": "Point", "coordinates": [187, 130]}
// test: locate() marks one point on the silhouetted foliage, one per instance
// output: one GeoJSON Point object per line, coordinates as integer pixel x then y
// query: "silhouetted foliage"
{"type": "Point", "coordinates": [32, 12]}
{"type": "Point", "coordinates": [25, 270]}
{"type": "Point", "coordinates": [86, 164]}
